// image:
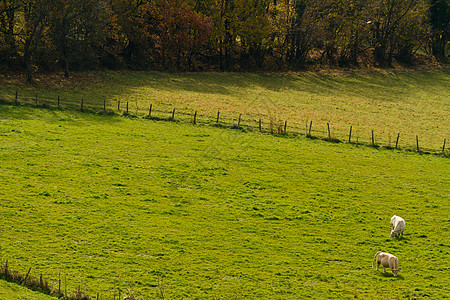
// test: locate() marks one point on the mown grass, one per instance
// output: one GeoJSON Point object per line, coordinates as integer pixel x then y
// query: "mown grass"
{"type": "Point", "coordinates": [388, 102]}
{"type": "Point", "coordinates": [200, 212]}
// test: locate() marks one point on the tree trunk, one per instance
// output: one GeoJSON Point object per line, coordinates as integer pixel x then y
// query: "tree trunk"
{"type": "Point", "coordinates": [221, 58]}
{"type": "Point", "coordinates": [27, 56]}
{"type": "Point", "coordinates": [64, 48]}
{"type": "Point", "coordinates": [10, 40]}
{"type": "Point", "coordinates": [66, 68]}
{"type": "Point", "coordinates": [379, 54]}
{"type": "Point", "coordinates": [438, 48]}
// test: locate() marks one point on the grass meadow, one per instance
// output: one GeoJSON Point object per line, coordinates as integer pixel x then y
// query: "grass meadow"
{"type": "Point", "coordinates": [412, 103]}
{"type": "Point", "coordinates": [174, 210]}
{"type": "Point", "coordinates": [13, 291]}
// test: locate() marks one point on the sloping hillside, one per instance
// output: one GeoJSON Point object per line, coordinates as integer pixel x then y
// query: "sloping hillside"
{"type": "Point", "coordinates": [165, 208]}
{"type": "Point", "coordinates": [12, 291]}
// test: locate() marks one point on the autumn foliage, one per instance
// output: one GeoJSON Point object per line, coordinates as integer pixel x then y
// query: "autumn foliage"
{"type": "Point", "coordinates": [174, 32]}
{"type": "Point", "coordinates": [226, 35]}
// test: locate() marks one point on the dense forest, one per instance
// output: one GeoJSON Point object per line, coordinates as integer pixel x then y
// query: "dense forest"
{"type": "Point", "coordinates": [225, 35]}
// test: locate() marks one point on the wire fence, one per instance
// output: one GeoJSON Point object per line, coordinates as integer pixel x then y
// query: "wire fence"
{"type": "Point", "coordinates": [264, 124]}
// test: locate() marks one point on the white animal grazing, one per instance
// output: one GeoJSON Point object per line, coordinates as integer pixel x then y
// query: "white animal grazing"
{"type": "Point", "coordinates": [397, 226]}
{"type": "Point", "coordinates": [387, 261]}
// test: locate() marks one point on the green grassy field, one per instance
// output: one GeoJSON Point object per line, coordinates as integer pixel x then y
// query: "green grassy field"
{"type": "Point", "coordinates": [12, 291]}
{"type": "Point", "coordinates": [200, 212]}
{"type": "Point", "coordinates": [387, 102]}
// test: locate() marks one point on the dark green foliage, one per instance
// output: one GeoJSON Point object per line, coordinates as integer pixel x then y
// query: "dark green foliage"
{"type": "Point", "coordinates": [440, 25]}
{"type": "Point", "coordinates": [230, 35]}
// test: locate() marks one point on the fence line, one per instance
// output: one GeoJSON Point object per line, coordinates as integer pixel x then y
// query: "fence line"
{"type": "Point", "coordinates": [239, 120]}
{"type": "Point", "coordinates": [41, 284]}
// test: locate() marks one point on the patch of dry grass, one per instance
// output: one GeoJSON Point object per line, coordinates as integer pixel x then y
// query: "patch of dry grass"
{"type": "Point", "coordinates": [412, 103]}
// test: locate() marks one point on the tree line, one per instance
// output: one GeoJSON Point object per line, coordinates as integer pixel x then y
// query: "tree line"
{"type": "Point", "coordinates": [225, 35]}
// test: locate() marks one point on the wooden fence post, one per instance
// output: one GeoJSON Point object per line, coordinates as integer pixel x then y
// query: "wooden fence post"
{"type": "Point", "coordinates": [127, 107]}
{"type": "Point", "coordinates": [26, 276]}
{"type": "Point", "coordinates": [396, 142]}
{"type": "Point", "coordinates": [195, 117]}
{"type": "Point", "coordinates": [443, 147]}
{"type": "Point", "coordinates": [373, 139]}
{"type": "Point", "coordinates": [329, 133]}
{"type": "Point", "coordinates": [58, 101]}
{"type": "Point", "coordinates": [218, 114]}
{"type": "Point", "coordinates": [173, 114]}
{"type": "Point", "coordinates": [285, 126]}
{"type": "Point", "coordinates": [118, 105]}
{"type": "Point", "coordinates": [239, 121]}
{"type": "Point", "coordinates": [350, 135]}
{"type": "Point", "coordinates": [16, 97]}
{"type": "Point", "coordinates": [260, 125]}
{"type": "Point", "coordinates": [310, 126]}
{"type": "Point", "coordinates": [150, 111]}
{"type": "Point", "coordinates": [417, 143]}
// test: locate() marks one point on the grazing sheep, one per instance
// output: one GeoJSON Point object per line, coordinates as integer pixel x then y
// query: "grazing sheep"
{"type": "Point", "coordinates": [387, 261]}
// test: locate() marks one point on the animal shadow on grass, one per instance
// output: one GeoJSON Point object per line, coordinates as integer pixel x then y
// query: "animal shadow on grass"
{"type": "Point", "coordinates": [398, 240]}
{"type": "Point", "coordinates": [390, 275]}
